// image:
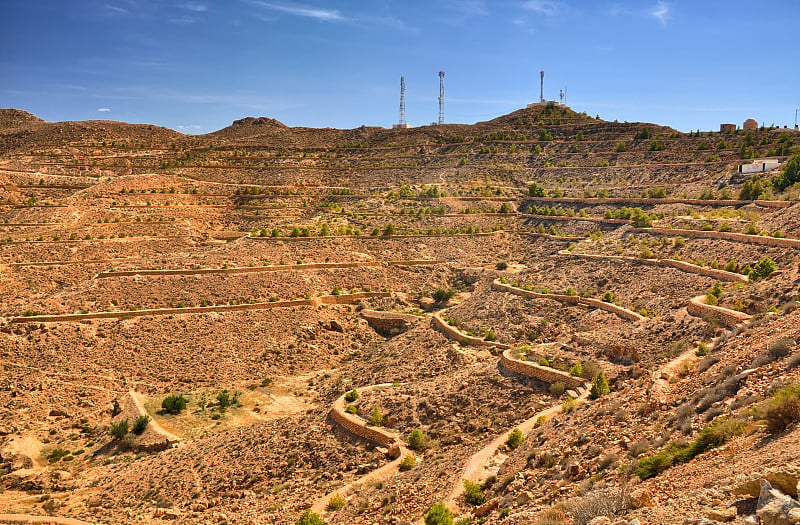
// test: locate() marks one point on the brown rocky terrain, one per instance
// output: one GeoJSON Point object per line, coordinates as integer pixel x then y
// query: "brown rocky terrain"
{"type": "Point", "coordinates": [258, 271]}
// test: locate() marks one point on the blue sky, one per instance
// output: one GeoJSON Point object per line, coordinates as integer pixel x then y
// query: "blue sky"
{"type": "Point", "coordinates": [196, 65]}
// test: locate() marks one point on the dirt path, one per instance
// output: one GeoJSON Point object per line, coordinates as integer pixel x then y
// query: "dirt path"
{"type": "Point", "coordinates": [487, 461]}
{"type": "Point", "coordinates": [388, 470]}
{"type": "Point", "coordinates": [44, 520]}
{"type": "Point", "coordinates": [139, 404]}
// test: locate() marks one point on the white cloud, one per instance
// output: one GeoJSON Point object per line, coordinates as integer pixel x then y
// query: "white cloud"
{"type": "Point", "coordinates": [197, 7]}
{"type": "Point", "coordinates": [326, 15]}
{"type": "Point", "coordinates": [660, 12]}
{"type": "Point", "coordinates": [543, 7]}
{"type": "Point", "coordinates": [116, 9]}
{"type": "Point", "coordinates": [103, 110]}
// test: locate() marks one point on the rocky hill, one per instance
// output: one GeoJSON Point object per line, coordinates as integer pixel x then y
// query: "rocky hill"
{"type": "Point", "coordinates": [542, 318]}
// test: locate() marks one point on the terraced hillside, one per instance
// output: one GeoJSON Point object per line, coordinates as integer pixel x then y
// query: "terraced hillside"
{"type": "Point", "coordinates": [543, 318]}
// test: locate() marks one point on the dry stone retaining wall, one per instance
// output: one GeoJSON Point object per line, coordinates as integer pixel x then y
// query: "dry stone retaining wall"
{"type": "Point", "coordinates": [454, 333]}
{"type": "Point", "coordinates": [325, 299]}
{"type": "Point", "coordinates": [721, 275]}
{"type": "Point", "coordinates": [572, 299]}
{"type": "Point", "coordinates": [729, 318]}
{"type": "Point", "coordinates": [725, 236]}
{"type": "Point", "coordinates": [358, 426]}
{"type": "Point", "coordinates": [536, 371]}
{"type": "Point", "coordinates": [698, 202]}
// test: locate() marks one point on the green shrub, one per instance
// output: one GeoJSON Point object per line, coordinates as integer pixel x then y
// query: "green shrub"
{"type": "Point", "coordinates": [557, 388]}
{"type": "Point", "coordinates": [544, 362]}
{"type": "Point", "coordinates": [490, 335]}
{"type": "Point", "coordinates": [351, 409]}
{"type": "Point", "coordinates": [702, 350]}
{"type": "Point", "coordinates": [439, 514]}
{"type": "Point", "coordinates": [473, 493]}
{"type": "Point", "coordinates": [416, 440]}
{"type": "Point", "coordinates": [782, 409]}
{"type": "Point", "coordinates": [441, 295]}
{"type": "Point", "coordinates": [608, 296]}
{"type": "Point", "coordinates": [375, 417]}
{"type": "Point", "coordinates": [140, 424]}
{"type": "Point", "coordinates": [174, 404]}
{"type": "Point", "coordinates": [751, 229]}
{"type": "Point", "coordinates": [501, 265]}
{"type": "Point", "coordinates": [568, 405]}
{"type": "Point", "coordinates": [309, 517]}
{"type": "Point", "coordinates": [716, 433]}
{"type": "Point", "coordinates": [407, 463]}
{"type": "Point", "coordinates": [515, 438]}
{"type": "Point", "coordinates": [352, 396]}
{"type": "Point", "coordinates": [120, 429]}
{"type": "Point", "coordinates": [762, 269]}
{"type": "Point", "coordinates": [536, 190]}
{"type": "Point", "coordinates": [337, 502]}
{"type": "Point", "coordinates": [600, 386]}
{"type": "Point", "coordinates": [576, 369]}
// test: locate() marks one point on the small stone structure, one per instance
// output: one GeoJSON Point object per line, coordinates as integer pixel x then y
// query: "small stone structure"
{"type": "Point", "coordinates": [750, 124]}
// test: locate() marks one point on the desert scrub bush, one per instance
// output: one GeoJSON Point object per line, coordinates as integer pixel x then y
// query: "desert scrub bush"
{"type": "Point", "coordinates": [775, 351]}
{"type": "Point", "coordinates": [351, 409]}
{"type": "Point", "coordinates": [337, 502]}
{"type": "Point", "coordinates": [610, 502]}
{"type": "Point", "coordinates": [702, 350]}
{"type": "Point", "coordinates": [568, 405]}
{"type": "Point", "coordinates": [490, 335]}
{"type": "Point", "coordinates": [576, 369]}
{"type": "Point", "coordinates": [375, 417]}
{"type": "Point", "coordinates": [557, 388]}
{"type": "Point", "coordinates": [608, 296]}
{"type": "Point", "coordinates": [174, 403]}
{"type": "Point", "coordinates": [600, 386]}
{"type": "Point", "coordinates": [473, 493]}
{"type": "Point", "coordinates": [441, 295]}
{"type": "Point", "coordinates": [782, 409]}
{"type": "Point", "coordinates": [713, 435]}
{"type": "Point", "coordinates": [416, 440]}
{"type": "Point", "coordinates": [439, 514]}
{"type": "Point", "coordinates": [120, 429]}
{"type": "Point", "coordinates": [515, 438]}
{"type": "Point", "coordinates": [309, 517]}
{"type": "Point", "coordinates": [762, 269]}
{"type": "Point", "coordinates": [352, 396]}
{"type": "Point", "coordinates": [407, 463]}
{"type": "Point", "coordinates": [501, 265]}
{"type": "Point", "coordinates": [140, 424]}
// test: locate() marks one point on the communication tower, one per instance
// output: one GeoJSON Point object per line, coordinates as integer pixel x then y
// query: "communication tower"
{"type": "Point", "coordinates": [441, 97]}
{"type": "Point", "coordinates": [541, 86]}
{"type": "Point", "coordinates": [402, 123]}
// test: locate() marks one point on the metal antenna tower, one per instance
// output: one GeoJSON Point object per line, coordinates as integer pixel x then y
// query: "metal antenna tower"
{"type": "Point", "coordinates": [402, 102]}
{"type": "Point", "coordinates": [441, 97]}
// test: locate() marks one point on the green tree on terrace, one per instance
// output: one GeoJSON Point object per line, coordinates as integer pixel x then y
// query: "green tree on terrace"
{"type": "Point", "coordinates": [309, 517]}
{"type": "Point", "coordinates": [537, 190]}
{"type": "Point", "coordinates": [600, 386]}
{"type": "Point", "coordinates": [439, 514]}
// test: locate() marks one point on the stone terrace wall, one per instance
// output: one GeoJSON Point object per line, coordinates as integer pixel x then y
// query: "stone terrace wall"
{"type": "Point", "coordinates": [325, 299]}
{"type": "Point", "coordinates": [358, 426]}
{"type": "Point", "coordinates": [536, 371]}
{"type": "Point", "coordinates": [571, 299]}
{"type": "Point", "coordinates": [698, 202]}
{"type": "Point", "coordinates": [389, 321]}
{"type": "Point", "coordinates": [244, 269]}
{"type": "Point", "coordinates": [725, 236]}
{"type": "Point", "coordinates": [454, 333]}
{"type": "Point", "coordinates": [729, 318]}
{"type": "Point", "coordinates": [721, 275]}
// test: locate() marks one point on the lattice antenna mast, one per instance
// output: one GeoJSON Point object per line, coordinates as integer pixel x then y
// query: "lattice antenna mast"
{"type": "Point", "coordinates": [441, 97]}
{"type": "Point", "coordinates": [541, 86]}
{"type": "Point", "coordinates": [402, 101]}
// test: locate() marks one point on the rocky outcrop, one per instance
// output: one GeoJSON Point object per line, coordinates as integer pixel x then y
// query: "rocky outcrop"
{"type": "Point", "coordinates": [775, 507]}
